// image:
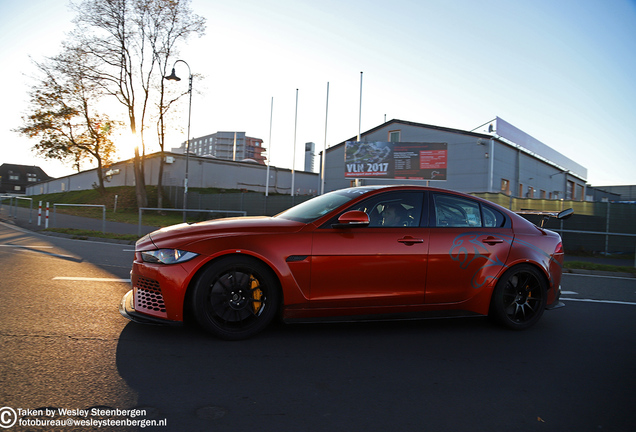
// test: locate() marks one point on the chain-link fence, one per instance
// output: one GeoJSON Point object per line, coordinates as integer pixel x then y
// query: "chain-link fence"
{"type": "Point", "coordinates": [595, 227]}
{"type": "Point", "coordinates": [253, 203]}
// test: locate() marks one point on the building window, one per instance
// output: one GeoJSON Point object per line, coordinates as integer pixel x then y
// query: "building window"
{"type": "Point", "coordinates": [505, 186]}
{"type": "Point", "coordinates": [579, 193]}
{"type": "Point", "coordinates": [520, 190]}
{"type": "Point", "coordinates": [530, 193]}
{"type": "Point", "coordinates": [14, 177]}
{"type": "Point", "coordinates": [394, 136]}
{"type": "Point", "coordinates": [542, 194]}
{"type": "Point", "coordinates": [569, 194]}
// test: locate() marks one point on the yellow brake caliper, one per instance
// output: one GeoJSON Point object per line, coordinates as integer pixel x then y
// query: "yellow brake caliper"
{"type": "Point", "coordinates": [257, 294]}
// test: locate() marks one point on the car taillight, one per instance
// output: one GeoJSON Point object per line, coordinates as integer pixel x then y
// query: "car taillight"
{"type": "Point", "coordinates": [559, 248]}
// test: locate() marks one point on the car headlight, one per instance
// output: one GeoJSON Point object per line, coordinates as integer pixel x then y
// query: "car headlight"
{"type": "Point", "coordinates": [167, 256]}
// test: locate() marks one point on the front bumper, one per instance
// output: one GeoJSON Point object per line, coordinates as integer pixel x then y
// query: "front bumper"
{"type": "Point", "coordinates": [127, 310]}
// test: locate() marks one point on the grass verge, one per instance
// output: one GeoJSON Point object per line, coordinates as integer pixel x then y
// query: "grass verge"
{"type": "Point", "coordinates": [583, 265]}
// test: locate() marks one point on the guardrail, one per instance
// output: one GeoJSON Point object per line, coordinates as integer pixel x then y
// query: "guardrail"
{"type": "Point", "coordinates": [141, 209]}
{"type": "Point", "coordinates": [13, 206]}
{"type": "Point", "coordinates": [103, 207]}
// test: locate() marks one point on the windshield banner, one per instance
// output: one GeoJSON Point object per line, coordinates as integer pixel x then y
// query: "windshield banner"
{"type": "Point", "coordinates": [396, 160]}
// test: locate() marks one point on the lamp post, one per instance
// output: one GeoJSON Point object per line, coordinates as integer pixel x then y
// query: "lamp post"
{"type": "Point", "coordinates": [174, 77]}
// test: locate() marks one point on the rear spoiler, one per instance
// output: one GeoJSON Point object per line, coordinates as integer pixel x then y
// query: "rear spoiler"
{"type": "Point", "coordinates": [548, 214]}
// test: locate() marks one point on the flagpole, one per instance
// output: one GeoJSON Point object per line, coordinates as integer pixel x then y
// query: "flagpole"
{"type": "Point", "coordinates": [324, 148]}
{"type": "Point", "coordinates": [360, 114]}
{"type": "Point", "coordinates": [358, 182]}
{"type": "Point", "coordinates": [294, 152]}
{"type": "Point", "coordinates": [271, 116]}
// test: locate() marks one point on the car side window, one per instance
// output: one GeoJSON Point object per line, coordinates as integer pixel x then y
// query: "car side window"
{"type": "Point", "coordinates": [459, 212]}
{"type": "Point", "coordinates": [402, 209]}
{"type": "Point", "coordinates": [492, 218]}
{"type": "Point", "coordinates": [453, 211]}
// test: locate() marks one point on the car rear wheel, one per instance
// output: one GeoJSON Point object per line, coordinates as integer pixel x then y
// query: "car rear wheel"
{"type": "Point", "coordinates": [235, 298]}
{"type": "Point", "coordinates": [519, 298]}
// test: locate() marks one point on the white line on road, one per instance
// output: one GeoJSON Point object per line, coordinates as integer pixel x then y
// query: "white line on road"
{"type": "Point", "coordinates": [599, 276]}
{"type": "Point", "coordinates": [88, 279]}
{"type": "Point", "coordinates": [599, 301]}
{"type": "Point", "coordinates": [569, 292]}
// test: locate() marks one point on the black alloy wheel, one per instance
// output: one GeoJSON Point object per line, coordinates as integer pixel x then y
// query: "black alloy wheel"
{"type": "Point", "coordinates": [235, 298]}
{"type": "Point", "coordinates": [519, 298]}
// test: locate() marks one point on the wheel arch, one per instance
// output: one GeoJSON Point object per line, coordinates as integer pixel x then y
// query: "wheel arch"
{"type": "Point", "coordinates": [188, 297]}
{"type": "Point", "coordinates": [537, 265]}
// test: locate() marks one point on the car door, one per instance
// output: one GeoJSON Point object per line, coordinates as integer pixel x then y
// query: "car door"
{"type": "Point", "coordinates": [382, 264]}
{"type": "Point", "coordinates": [468, 248]}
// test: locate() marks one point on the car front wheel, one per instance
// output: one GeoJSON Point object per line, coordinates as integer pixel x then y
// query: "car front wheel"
{"type": "Point", "coordinates": [235, 298]}
{"type": "Point", "coordinates": [519, 298]}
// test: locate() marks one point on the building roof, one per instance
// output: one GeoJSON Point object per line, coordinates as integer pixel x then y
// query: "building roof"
{"type": "Point", "coordinates": [23, 170]}
{"type": "Point", "coordinates": [415, 124]}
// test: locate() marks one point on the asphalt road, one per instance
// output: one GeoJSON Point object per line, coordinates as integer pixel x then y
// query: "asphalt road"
{"type": "Point", "coordinates": [65, 346]}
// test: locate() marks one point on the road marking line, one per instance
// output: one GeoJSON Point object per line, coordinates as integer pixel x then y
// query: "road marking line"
{"type": "Point", "coordinates": [598, 276]}
{"type": "Point", "coordinates": [569, 292]}
{"type": "Point", "coordinates": [599, 301]}
{"type": "Point", "coordinates": [89, 279]}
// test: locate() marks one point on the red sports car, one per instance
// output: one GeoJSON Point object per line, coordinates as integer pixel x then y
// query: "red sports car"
{"type": "Point", "coordinates": [358, 253]}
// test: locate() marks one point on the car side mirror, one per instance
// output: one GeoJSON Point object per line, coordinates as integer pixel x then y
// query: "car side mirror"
{"type": "Point", "coordinates": [565, 214]}
{"type": "Point", "coordinates": [352, 219]}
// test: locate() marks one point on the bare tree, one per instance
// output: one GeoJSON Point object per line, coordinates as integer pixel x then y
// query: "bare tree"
{"type": "Point", "coordinates": [166, 24]}
{"type": "Point", "coordinates": [127, 40]}
{"type": "Point", "coordinates": [64, 116]}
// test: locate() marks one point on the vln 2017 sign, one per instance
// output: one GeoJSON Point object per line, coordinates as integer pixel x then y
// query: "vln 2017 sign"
{"type": "Point", "coordinates": [396, 160]}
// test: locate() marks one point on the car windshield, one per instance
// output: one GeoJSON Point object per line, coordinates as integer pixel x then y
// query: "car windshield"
{"type": "Point", "coordinates": [311, 210]}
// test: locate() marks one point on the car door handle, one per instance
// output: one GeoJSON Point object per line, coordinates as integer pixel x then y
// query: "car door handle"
{"type": "Point", "coordinates": [408, 240]}
{"type": "Point", "coordinates": [492, 240]}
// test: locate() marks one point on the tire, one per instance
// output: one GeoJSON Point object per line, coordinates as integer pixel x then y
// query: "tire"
{"type": "Point", "coordinates": [519, 298]}
{"type": "Point", "coordinates": [235, 298]}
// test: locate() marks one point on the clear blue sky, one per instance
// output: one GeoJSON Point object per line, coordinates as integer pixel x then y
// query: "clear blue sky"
{"type": "Point", "coordinates": [563, 72]}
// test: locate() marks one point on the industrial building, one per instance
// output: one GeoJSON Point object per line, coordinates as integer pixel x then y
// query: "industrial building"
{"type": "Point", "coordinates": [203, 172]}
{"type": "Point", "coordinates": [496, 158]}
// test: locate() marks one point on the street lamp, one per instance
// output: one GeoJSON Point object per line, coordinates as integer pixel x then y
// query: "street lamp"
{"type": "Point", "coordinates": [174, 77]}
